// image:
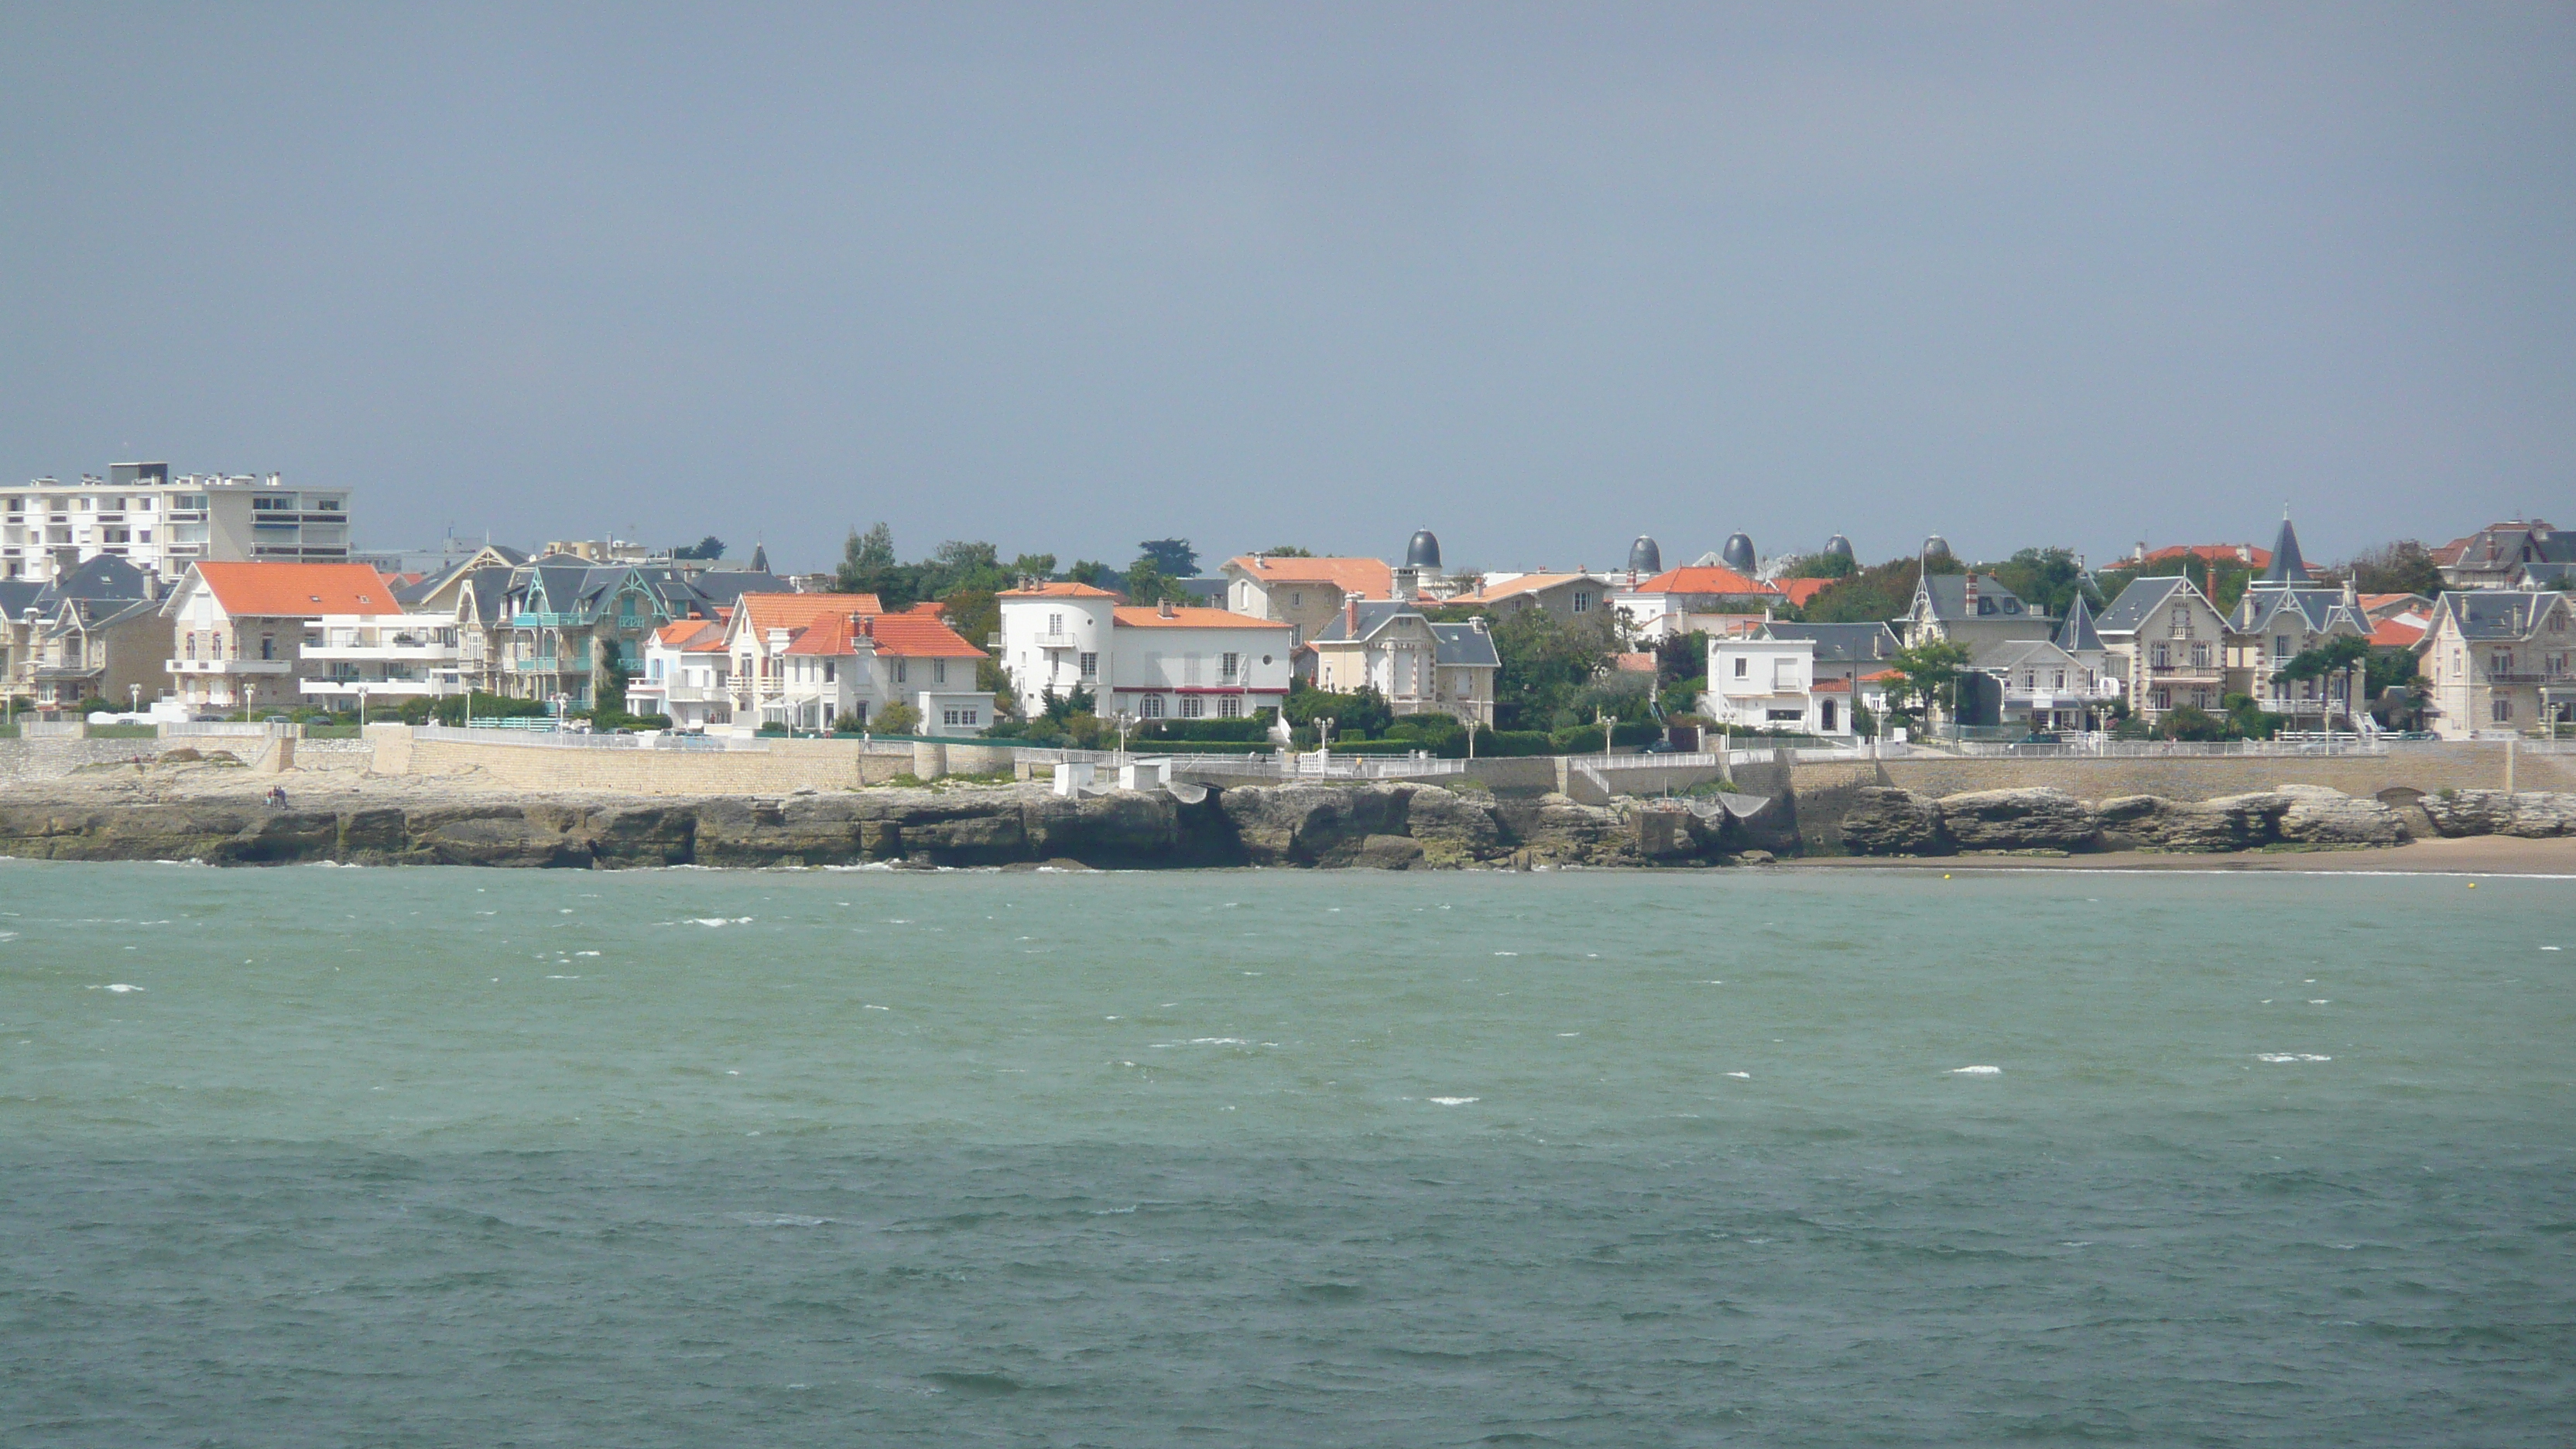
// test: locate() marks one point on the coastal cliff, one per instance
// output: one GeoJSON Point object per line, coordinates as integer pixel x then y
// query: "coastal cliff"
{"type": "Point", "coordinates": [1384, 826]}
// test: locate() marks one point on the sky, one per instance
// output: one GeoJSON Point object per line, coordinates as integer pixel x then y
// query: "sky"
{"type": "Point", "coordinates": [1538, 278]}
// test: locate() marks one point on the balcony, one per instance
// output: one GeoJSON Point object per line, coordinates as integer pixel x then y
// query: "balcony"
{"type": "Point", "coordinates": [372, 688]}
{"type": "Point", "coordinates": [399, 649]}
{"type": "Point", "coordinates": [1058, 641]}
{"type": "Point", "coordinates": [543, 664]}
{"type": "Point", "coordinates": [231, 666]}
{"type": "Point", "coordinates": [539, 619]}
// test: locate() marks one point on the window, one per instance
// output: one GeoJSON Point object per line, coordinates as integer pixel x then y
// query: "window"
{"type": "Point", "coordinates": [939, 671]}
{"type": "Point", "coordinates": [1150, 707]}
{"type": "Point", "coordinates": [973, 717]}
{"type": "Point", "coordinates": [902, 671]}
{"type": "Point", "coordinates": [2161, 658]}
{"type": "Point", "coordinates": [1228, 667]}
{"type": "Point", "coordinates": [1055, 623]}
{"type": "Point", "coordinates": [1230, 707]}
{"type": "Point", "coordinates": [951, 716]}
{"type": "Point", "coordinates": [2061, 680]}
{"type": "Point", "coordinates": [2502, 663]}
{"type": "Point", "coordinates": [1192, 706]}
{"type": "Point", "coordinates": [2200, 656]}
{"type": "Point", "coordinates": [1582, 601]}
{"type": "Point", "coordinates": [2504, 711]}
{"type": "Point", "coordinates": [1091, 666]}
{"type": "Point", "coordinates": [831, 671]}
{"type": "Point", "coordinates": [268, 646]}
{"type": "Point", "coordinates": [1743, 667]}
{"type": "Point", "coordinates": [2280, 646]}
{"type": "Point", "coordinates": [1296, 601]}
{"type": "Point", "coordinates": [2181, 622]}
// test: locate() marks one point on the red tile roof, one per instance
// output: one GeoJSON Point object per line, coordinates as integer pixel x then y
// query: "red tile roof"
{"type": "Point", "coordinates": [696, 636]}
{"type": "Point", "coordinates": [1799, 591]}
{"type": "Point", "coordinates": [297, 590]}
{"type": "Point", "coordinates": [1370, 578]}
{"type": "Point", "coordinates": [1694, 579]}
{"type": "Point", "coordinates": [1534, 583]}
{"type": "Point", "coordinates": [1180, 618]}
{"type": "Point", "coordinates": [1633, 663]}
{"type": "Point", "coordinates": [2397, 633]}
{"type": "Point", "coordinates": [795, 611]}
{"type": "Point", "coordinates": [2226, 553]}
{"type": "Point", "coordinates": [1832, 686]}
{"type": "Point", "coordinates": [909, 635]}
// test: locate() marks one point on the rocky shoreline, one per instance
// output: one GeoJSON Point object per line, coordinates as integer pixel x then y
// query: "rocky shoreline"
{"type": "Point", "coordinates": [1883, 821]}
{"type": "Point", "coordinates": [183, 811]}
{"type": "Point", "coordinates": [1387, 826]}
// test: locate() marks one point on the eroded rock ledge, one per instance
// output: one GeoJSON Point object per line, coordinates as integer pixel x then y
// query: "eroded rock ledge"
{"type": "Point", "coordinates": [1388, 826]}
{"type": "Point", "coordinates": [1885, 821]}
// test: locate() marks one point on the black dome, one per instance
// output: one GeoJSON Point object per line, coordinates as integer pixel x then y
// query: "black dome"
{"type": "Point", "coordinates": [1738, 553]}
{"type": "Point", "coordinates": [1644, 557]}
{"type": "Point", "coordinates": [1838, 547]}
{"type": "Point", "coordinates": [1424, 551]}
{"type": "Point", "coordinates": [1936, 547]}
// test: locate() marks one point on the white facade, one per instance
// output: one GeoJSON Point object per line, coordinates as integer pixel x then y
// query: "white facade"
{"type": "Point", "coordinates": [161, 524]}
{"type": "Point", "coordinates": [351, 660]}
{"type": "Point", "coordinates": [1771, 684]}
{"type": "Point", "coordinates": [1164, 663]}
{"type": "Point", "coordinates": [686, 676]}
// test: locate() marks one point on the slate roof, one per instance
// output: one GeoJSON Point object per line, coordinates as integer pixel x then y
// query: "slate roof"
{"type": "Point", "coordinates": [1950, 599]}
{"type": "Point", "coordinates": [2318, 610]}
{"type": "Point", "coordinates": [17, 596]}
{"type": "Point", "coordinates": [2077, 634]}
{"type": "Point", "coordinates": [2141, 598]}
{"type": "Point", "coordinates": [2495, 614]}
{"type": "Point", "coordinates": [1372, 614]}
{"type": "Point", "coordinates": [2025, 654]}
{"type": "Point", "coordinates": [1840, 643]}
{"type": "Point", "coordinates": [1464, 646]}
{"type": "Point", "coordinates": [103, 576]}
{"type": "Point", "coordinates": [83, 615]}
{"type": "Point", "coordinates": [723, 586]}
{"type": "Point", "coordinates": [2286, 566]}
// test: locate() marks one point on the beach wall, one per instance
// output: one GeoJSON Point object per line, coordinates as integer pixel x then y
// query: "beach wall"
{"type": "Point", "coordinates": [1824, 792]}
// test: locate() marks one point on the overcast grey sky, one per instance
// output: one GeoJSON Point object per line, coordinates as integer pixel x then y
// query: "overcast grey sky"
{"type": "Point", "coordinates": [1540, 278]}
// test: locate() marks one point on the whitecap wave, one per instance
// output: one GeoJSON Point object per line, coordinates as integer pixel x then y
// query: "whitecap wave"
{"type": "Point", "coordinates": [1456, 1101]}
{"type": "Point", "coordinates": [1976, 1071]}
{"type": "Point", "coordinates": [2290, 1057]}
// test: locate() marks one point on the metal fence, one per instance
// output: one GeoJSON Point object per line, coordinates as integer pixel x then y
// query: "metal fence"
{"type": "Point", "coordinates": [228, 729]}
{"type": "Point", "coordinates": [1307, 766]}
{"type": "Point", "coordinates": [2159, 749]}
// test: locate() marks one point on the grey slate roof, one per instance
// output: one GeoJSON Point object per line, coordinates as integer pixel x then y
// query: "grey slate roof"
{"type": "Point", "coordinates": [1950, 599]}
{"type": "Point", "coordinates": [2141, 598]}
{"type": "Point", "coordinates": [17, 596]}
{"type": "Point", "coordinates": [2494, 614]}
{"type": "Point", "coordinates": [2319, 610]}
{"type": "Point", "coordinates": [88, 614]}
{"type": "Point", "coordinates": [723, 586]}
{"type": "Point", "coordinates": [2077, 634]}
{"type": "Point", "coordinates": [1840, 643]}
{"type": "Point", "coordinates": [2025, 654]}
{"type": "Point", "coordinates": [1464, 645]}
{"type": "Point", "coordinates": [102, 577]}
{"type": "Point", "coordinates": [1371, 614]}
{"type": "Point", "coordinates": [2286, 566]}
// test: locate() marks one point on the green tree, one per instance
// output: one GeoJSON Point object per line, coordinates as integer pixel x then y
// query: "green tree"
{"type": "Point", "coordinates": [897, 719]}
{"type": "Point", "coordinates": [1545, 661]}
{"type": "Point", "coordinates": [2333, 656]}
{"type": "Point", "coordinates": [868, 566]}
{"type": "Point", "coordinates": [1357, 715]}
{"type": "Point", "coordinates": [1929, 668]}
{"type": "Point", "coordinates": [1173, 558]}
{"type": "Point", "coordinates": [1288, 551]}
{"type": "Point", "coordinates": [2185, 722]}
{"type": "Point", "coordinates": [1098, 575]}
{"type": "Point", "coordinates": [2403, 567]}
{"type": "Point", "coordinates": [2048, 578]}
{"type": "Point", "coordinates": [1146, 584]}
{"type": "Point", "coordinates": [709, 547]}
{"type": "Point", "coordinates": [1875, 594]}
{"type": "Point", "coordinates": [1820, 566]}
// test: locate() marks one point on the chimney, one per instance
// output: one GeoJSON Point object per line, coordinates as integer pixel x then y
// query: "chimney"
{"type": "Point", "coordinates": [1165, 609]}
{"type": "Point", "coordinates": [1351, 615]}
{"type": "Point", "coordinates": [1971, 594]}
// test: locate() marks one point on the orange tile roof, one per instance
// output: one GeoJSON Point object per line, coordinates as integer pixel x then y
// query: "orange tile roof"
{"type": "Point", "coordinates": [691, 635]}
{"type": "Point", "coordinates": [1528, 584]}
{"type": "Point", "coordinates": [1831, 686]}
{"type": "Point", "coordinates": [297, 590]}
{"type": "Point", "coordinates": [795, 611]}
{"type": "Point", "coordinates": [2226, 553]}
{"type": "Point", "coordinates": [1058, 591]}
{"type": "Point", "coordinates": [910, 635]}
{"type": "Point", "coordinates": [1179, 618]}
{"type": "Point", "coordinates": [2397, 633]}
{"type": "Point", "coordinates": [1370, 578]}
{"type": "Point", "coordinates": [1882, 676]}
{"type": "Point", "coordinates": [1799, 591]}
{"type": "Point", "coordinates": [1700, 580]}
{"type": "Point", "coordinates": [1633, 663]}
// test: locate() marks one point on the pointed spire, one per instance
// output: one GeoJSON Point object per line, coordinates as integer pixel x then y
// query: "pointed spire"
{"type": "Point", "coordinates": [2077, 634]}
{"type": "Point", "coordinates": [2287, 569]}
{"type": "Point", "coordinates": [759, 558]}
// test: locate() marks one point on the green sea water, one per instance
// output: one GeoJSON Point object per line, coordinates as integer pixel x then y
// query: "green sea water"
{"type": "Point", "coordinates": [319, 1156]}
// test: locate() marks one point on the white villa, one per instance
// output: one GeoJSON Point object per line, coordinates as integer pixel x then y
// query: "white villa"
{"type": "Point", "coordinates": [1771, 684]}
{"type": "Point", "coordinates": [1166, 662]}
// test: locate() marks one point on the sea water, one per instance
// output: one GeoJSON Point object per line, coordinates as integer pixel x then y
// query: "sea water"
{"type": "Point", "coordinates": [445, 1157]}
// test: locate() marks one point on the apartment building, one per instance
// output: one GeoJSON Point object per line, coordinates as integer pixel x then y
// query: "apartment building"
{"type": "Point", "coordinates": [1166, 662]}
{"type": "Point", "coordinates": [161, 524]}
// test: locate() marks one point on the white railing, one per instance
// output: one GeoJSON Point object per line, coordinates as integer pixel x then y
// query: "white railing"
{"type": "Point", "coordinates": [226, 729]}
{"type": "Point", "coordinates": [59, 729]}
{"type": "Point", "coordinates": [2162, 749]}
{"type": "Point", "coordinates": [1307, 766]}
{"type": "Point", "coordinates": [582, 740]}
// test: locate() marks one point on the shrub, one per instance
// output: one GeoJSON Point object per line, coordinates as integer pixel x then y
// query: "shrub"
{"type": "Point", "coordinates": [897, 719]}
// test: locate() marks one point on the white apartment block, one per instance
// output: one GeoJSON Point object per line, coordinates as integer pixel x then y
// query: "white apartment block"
{"type": "Point", "coordinates": [161, 524]}
{"type": "Point", "coordinates": [1166, 662]}
{"type": "Point", "coordinates": [1771, 684]}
